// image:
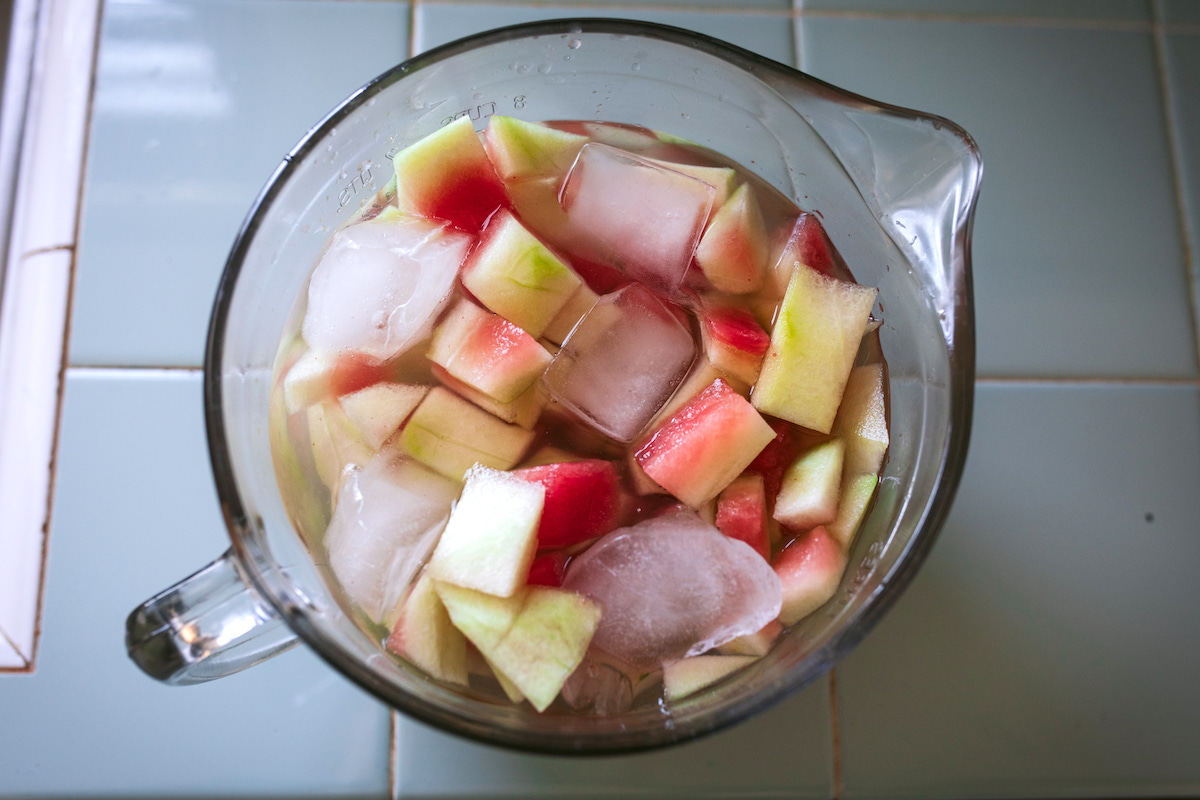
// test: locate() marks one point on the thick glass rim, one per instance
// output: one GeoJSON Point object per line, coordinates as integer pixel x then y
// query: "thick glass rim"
{"type": "Point", "coordinates": [961, 374]}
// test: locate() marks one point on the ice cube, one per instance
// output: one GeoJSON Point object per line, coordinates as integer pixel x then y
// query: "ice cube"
{"type": "Point", "coordinates": [635, 214]}
{"type": "Point", "coordinates": [622, 362]}
{"type": "Point", "coordinates": [388, 518]}
{"type": "Point", "coordinates": [673, 586]}
{"type": "Point", "coordinates": [382, 283]}
{"type": "Point", "coordinates": [599, 687]}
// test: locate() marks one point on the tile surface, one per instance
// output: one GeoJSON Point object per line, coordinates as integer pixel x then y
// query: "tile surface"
{"type": "Point", "coordinates": [1129, 10]}
{"type": "Point", "coordinates": [1047, 647]}
{"type": "Point", "coordinates": [135, 511]}
{"type": "Point", "coordinates": [785, 752]}
{"type": "Point", "coordinates": [1077, 225]}
{"type": "Point", "coordinates": [196, 103]}
{"type": "Point", "coordinates": [769, 35]}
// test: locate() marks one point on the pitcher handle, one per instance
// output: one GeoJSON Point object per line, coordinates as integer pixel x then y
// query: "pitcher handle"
{"type": "Point", "coordinates": [205, 627]}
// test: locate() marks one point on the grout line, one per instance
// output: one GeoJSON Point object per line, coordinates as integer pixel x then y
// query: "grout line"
{"type": "Point", "coordinates": [1175, 153]}
{"type": "Point", "coordinates": [412, 29]}
{"type": "Point", "coordinates": [836, 732]}
{"type": "Point", "coordinates": [798, 34]}
{"type": "Point", "coordinates": [117, 370]}
{"type": "Point", "coordinates": [1085, 381]}
{"type": "Point", "coordinates": [392, 788]}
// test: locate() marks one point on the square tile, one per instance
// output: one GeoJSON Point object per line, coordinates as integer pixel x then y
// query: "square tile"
{"type": "Point", "coordinates": [1179, 11]}
{"type": "Point", "coordinates": [1079, 267]}
{"type": "Point", "coordinates": [1182, 56]}
{"type": "Point", "coordinates": [1048, 647]}
{"type": "Point", "coordinates": [769, 35]}
{"type": "Point", "coordinates": [197, 102]}
{"type": "Point", "coordinates": [784, 752]}
{"type": "Point", "coordinates": [135, 511]}
{"type": "Point", "coordinates": [1127, 10]}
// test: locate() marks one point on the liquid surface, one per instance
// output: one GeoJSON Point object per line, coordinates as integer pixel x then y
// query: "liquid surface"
{"type": "Point", "coordinates": [595, 445]}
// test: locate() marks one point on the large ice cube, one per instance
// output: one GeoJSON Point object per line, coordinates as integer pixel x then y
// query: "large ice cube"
{"type": "Point", "coordinates": [381, 284]}
{"type": "Point", "coordinates": [635, 214]}
{"type": "Point", "coordinates": [387, 520]}
{"type": "Point", "coordinates": [622, 362]}
{"type": "Point", "coordinates": [673, 586]}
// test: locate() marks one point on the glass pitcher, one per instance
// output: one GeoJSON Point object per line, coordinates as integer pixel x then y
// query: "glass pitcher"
{"type": "Point", "coordinates": [897, 192]}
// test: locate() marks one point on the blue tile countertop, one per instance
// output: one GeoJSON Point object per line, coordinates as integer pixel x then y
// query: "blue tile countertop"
{"type": "Point", "coordinates": [1049, 646]}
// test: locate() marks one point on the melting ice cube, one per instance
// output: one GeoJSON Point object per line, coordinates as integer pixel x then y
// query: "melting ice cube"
{"type": "Point", "coordinates": [635, 214]}
{"type": "Point", "coordinates": [387, 520]}
{"type": "Point", "coordinates": [381, 284]}
{"type": "Point", "coordinates": [673, 586]}
{"type": "Point", "coordinates": [622, 362]}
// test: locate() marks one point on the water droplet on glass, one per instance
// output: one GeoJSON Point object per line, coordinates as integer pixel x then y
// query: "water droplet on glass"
{"type": "Point", "coordinates": [544, 68]}
{"type": "Point", "coordinates": [574, 44]}
{"type": "Point", "coordinates": [686, 115]}
{"type": "Point", "coordinates": [636, 67]}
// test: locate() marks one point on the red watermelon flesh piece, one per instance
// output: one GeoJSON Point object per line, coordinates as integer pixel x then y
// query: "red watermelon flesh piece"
{"type": "Point", "coordinates": [810, 569]}
{"type": "Point", "coordinates": [776, 457]}
{"type": "Point", "coordinates": [810, 245]}
{"type": "Point", "coordinates": [548, 569]}
{"type": "Point", "coordinates": [742, 513]}
{"type": "Point", "coordinates": [487, 352]}
{"type": "Point", "coordinates": [583, 500]}
{"type": "Point", "coordinates": [705, 444]}
{"type": "Point", "coordinates": [734, 341]}
{"type": "Point", "coordinates": [447, 175]}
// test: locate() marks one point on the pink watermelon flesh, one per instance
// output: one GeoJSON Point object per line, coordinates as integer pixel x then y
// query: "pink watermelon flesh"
{"type": "Point", "coordinates": [809, 569]}
{"type": "Point", "coordinates": [742, 513]}
{"type": "Point", "coordinates": [705, 445]}
{"type": "Point", "coordinates": [583, 500]}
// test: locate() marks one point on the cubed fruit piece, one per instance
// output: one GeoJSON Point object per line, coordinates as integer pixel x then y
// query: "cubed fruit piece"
{"type": "Point", "coordinates": [634, 214]}
{"type": "Point", "coordinates": [852, 507]}
{"type": "Point", "coordinates": [813, 344]}
{"type": "Point", "coordinates": [451, 435]}
{"type": "Point", "coordinates": [808, 244]}
{"type": "Point", "coordinates": [742, 512]}
{"type": "Point", "coordinates": [317, 376]}
{"type": "Point", "coordinates": [535, 202]}
{"type": "Point", "coordinates": [775, 458]}
{"type": "Point", "coordinates": [722, 179]}
{"type": "Point", "coordinates": [535, 639]}
{"type": "Point", "coordinates": [524, 410]}
{"type": "Point", "coordinates": [808, 496]}
{"type": "Point", "coordinates": [753, 644]}
{"type": "Point", "coordinates": [862, 421]}
{"type": "Point", "coordinates": [810, 570]}
{"type": "Point", "coordinates": [447, 175]}
{"type": "Point", "coordinates": [622, 362]}
{"type": "Point", "coordinates": [491, 537]}
{"type": "Point", "coordinates": [583, 500]}
{"type": "Point", "coordinates": [734, 342]}
{"type": "Point", "coordinates": [336, 443]}
{"type": "Point", "coordinates": [487, 352]}
{"type": "Point", "coordinates": [380, 285]}
{"type": "Point", "coordinates": [424, 635]}
{"type": "Point", "coordinates": [705, 445]}
{"type": "Point", "coordinates": [701, 376]}
{"type": "Point", "coordinates": [548, 569]}
{"type": "Point", "coordinates": [379, 409]}
{"type": "Point", "coordinates": [732, 254]}
{"type": "Point", "coordinates": [515, 275]}
{"type": "Point", "coordinates": [387, 520]}
{"type": "Point", "coordinates": [569, 315]}
{"type": "Point", "coordinates": [520, 149]}
{"type": "Point", "coordinates": [689, 675]}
